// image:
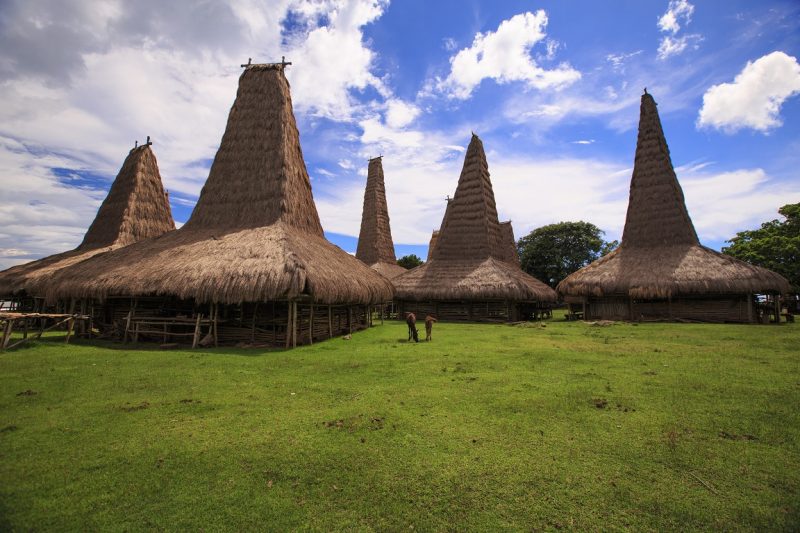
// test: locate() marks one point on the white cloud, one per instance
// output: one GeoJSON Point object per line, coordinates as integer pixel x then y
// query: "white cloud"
{"type": "Point", "coordinates": [400, 113]}
{"type": "Point", "coordinates": [754, 98]}
{"type": "Point", "coordinates": [584, 141]}
{"type": "Point", "coordinates": [724, 203]}
{"type": "Point", "coordinates": [335, 57]}
{"type": "Point", "coordinates": [618, 60]}
{"type": "Point", "coordinates": [449, 44]}
{"type": "Point", "coordinates": [678, 11]}
{"type": "Point", "coordinates": [504, 56]}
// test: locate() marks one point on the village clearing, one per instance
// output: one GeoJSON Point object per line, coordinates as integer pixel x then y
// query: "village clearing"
{"type": "Point", "coordinates": [523, 427]}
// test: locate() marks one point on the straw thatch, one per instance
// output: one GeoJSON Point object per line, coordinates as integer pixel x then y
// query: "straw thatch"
{"type": "Point", "coordinates": [509, 243]}
{"type": "Point", "coordinates": [135, 208]}
{"type": "Point", "coordinates": [375, 245]}
{"type": "Point", "coordinates": [432, 243]}
{"type": "Point", "coordinates": [254, 234]}
{"type": "Point", "coordinates": [660, 255]}
{"type": "Point", "coordinates": [470, 258]}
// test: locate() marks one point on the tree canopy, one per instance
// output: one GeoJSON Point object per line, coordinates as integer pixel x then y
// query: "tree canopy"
{"type": "Point", "coordinates": [409, 261]}
{"type": "Point", "coordinates": [553, 252]}
{"type": "Point", "coordinates": [775, 245]}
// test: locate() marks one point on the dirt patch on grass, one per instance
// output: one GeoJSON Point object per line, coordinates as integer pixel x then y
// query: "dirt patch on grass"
{"type": "Point", "coordinates": [28, 392]}
{"type": "Point", "coordinates": [600, 403]}
{"type": "Point", "coordinates": [356, 422]}
{"type": "Point", "coordinates": [9, 429]}
{"type": "Point", "coordinates": [190, 400]}
{"type": "Point", "coordinates": [133, 408]}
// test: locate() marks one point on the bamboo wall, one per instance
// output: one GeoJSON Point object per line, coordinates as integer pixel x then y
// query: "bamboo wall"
{"type": "Point", "coordinates": [468, 311]}
{"type": "Point", "coordinates": [724, 308]}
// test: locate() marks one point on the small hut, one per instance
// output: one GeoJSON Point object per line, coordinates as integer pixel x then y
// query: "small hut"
{"type": "Point", "coordinates": [469, 276]}
{"type": "Point", "coordinates": [136, 208]}
{"type": "Point", "coordinates": [375, 245]}
{"type": "Point", "coordinates": [660, 270]}
{"type": "Point", "coordinates": [251, 264]}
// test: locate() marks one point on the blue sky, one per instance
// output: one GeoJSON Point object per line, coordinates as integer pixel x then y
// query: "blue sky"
{"type": "Point", "coordinates": [552, 88]}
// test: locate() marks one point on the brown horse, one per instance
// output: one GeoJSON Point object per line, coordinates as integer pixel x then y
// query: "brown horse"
{"type": "Point", "coordinates": [429, 320]}
{"type": "Point", "coordinates": [411, 321]}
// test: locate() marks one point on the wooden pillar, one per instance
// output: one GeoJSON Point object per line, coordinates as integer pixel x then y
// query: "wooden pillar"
{"type": "Point", "coordinates": [9, 327]}
{"type": "Point", "coordinates": [630, 308]}
{"type": "Point", "coordinates": [289, 325]}
{"type": "Point", "coordinates": [350, 319]}
{"type": "Point", "coordinates": [196, 338]}
{"type": "Point", "coordinates": [294, 324]}
{"type": "Point", "coordinates": [311, 326]}
{"type": "Point", "coordinates": [750, 308]}
{"type": "Point", "coordinates": [330, 323]}
{"type": "Point", "coordinates": [253, 327]}
{"type": "Point", "coordinates": [584, 309]}
{"type": "Point", "coordinates": [383, 309]}
{"type": "Point", "coordinates": [214, 325]}
{"type": "Point", "coordinates": [669, 306]}
{"type": "Point", "coordinates": [777, 309]}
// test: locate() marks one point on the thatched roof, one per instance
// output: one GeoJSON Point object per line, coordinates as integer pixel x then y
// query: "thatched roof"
{"type": "Point", "coordinates": [660, 255]}
{"type": "Point", "coordinates": [135, 208]}
{"type": "Point", "coordinates": [254, 234]}
{"type": "Point", "coordinates": [470, 258]}
{"type": "Point", "coordinates": [375, 245]}
{"type": "Point", "coordinates": [432, 243]}
{"type": "Point", "coordinates": [509, 243]}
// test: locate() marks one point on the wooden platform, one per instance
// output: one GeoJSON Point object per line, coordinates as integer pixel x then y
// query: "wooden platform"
{"type": "Point", "coordinates": [9, 319]}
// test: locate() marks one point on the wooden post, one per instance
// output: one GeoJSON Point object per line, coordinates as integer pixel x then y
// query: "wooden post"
{"type": "Point", "coordinates": [253, 328]}
{"type": "Point", "coordinates": [136, 333]}
{"type": "Point", "coordinates": [750, 308]}
{"type": "Point", "coordinates": [70, 324]}
{"type": "Point", "coordinates": [25, 328]}
{"type": "Point", "coordinates": [311, 326]}
{"type": "Point", "coordinates": [777, 309]}
{"type": "Point", "coordinates": [330, 323]}
{"type": "Point", "coordinates": [196, 338]}
{"type": "Point", "coordinates": [127, 326]}
{"type": "Point", "coordinates": [669, 306]}
{"type": "Point", "coordinates": [584, 309]}
{"type": "Point", "coordinates": [7, 333]}
{"type": "Point", "coordinates": [214, 325]}
{"type": "Point", "coordinates": [294, 324]}
{"type": "Point", "coordinates": [383, 307]}
{"type": "Point", "coordinates": [164, 337]}
{"type": "Point", "coordinates": [91, 318]}
{"type": "Point", "coordinates": [350, 319]}
{"type": "Point", "coordinates": [289, 326]}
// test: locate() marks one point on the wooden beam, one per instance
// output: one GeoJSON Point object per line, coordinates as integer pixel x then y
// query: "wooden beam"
{"type": "Point", "coordinates": [214, 325]}
{"type": "Point", "coordinates": [311, 326]}
{"type": "Point", "coordinates": [9, 326]}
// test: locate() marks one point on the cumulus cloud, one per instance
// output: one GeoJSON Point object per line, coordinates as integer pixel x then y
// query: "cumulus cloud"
{"type": "Point", "coordinates": [504, 55]}
{"type": "Point", "coordinates": [679, 12]}
{"type": "Point", "coordinates": [754, 98]}
{"type": "Point", "coordinates": [400, 113]}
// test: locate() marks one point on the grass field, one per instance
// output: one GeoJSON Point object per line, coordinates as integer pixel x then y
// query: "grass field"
{"type": "Point", "coordinates": [567, 425]}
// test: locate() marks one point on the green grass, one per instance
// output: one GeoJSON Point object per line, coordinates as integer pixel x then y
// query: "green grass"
{"type": "Point", "coordinates": [641, 427]}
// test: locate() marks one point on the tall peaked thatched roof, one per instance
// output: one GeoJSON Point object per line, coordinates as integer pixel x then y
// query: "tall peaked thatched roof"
{"type": "Point", "coordinates": [375, 245]}
{"type": "Point", "coordinates": [432, 243]}
{"type": "Point", "coordinates": [135, 208]}
{"type": "Point", "coordinates": [509, 243]}
{"type": "Point", "coordinates": [254, 234]}
{"type": "Point", "coordinates": [660, 255]}
{"type": "Point", "coordinates": [470, 258]}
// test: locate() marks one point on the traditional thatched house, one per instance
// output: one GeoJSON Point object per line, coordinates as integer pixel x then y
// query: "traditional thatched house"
{"type": "Point", "coordinates": [135, 208]}
{"type": "Point", "coordinates": [660, 270]}
{"type": "Point", "coordinates": [469, 275]}
{"type": "Point", "coordinates": [375, 245]}
{"type": "Point", "coordinates": [252, 263]}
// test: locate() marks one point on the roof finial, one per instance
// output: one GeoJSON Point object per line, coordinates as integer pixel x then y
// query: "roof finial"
{"type": "Point", "coordinates": [284, 62]}
{"type": "Point", "coordinates": [149, 143]}
{"type": "Point", "coordinates": [136, 144]}
{"type": "Point", "coordinates": [448, 198]}
{"type": "Point", "coordinates": [249, 62]}
{"type": "Point", "coordinates": [645, 90]}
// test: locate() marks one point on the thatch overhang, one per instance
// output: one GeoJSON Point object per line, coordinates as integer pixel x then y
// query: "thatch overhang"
{"type": "Point", "coordinates": [254, 234]}
{"type": "Point", "coordinates": [470, 258]}
{"type": "Point", "coordinates": [660, 255]}
{"type": "Point", "coordinates": [136, 208]}
{"type": "Point", "coordinates": [375, 245]}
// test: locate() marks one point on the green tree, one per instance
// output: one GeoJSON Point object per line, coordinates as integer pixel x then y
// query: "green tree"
{"type": "Point", "coordinates": [553, 252]}
{"type": "Point", "coordinates": [409, 261]}
{"type": "Point", "coordinates": [775, 245]}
